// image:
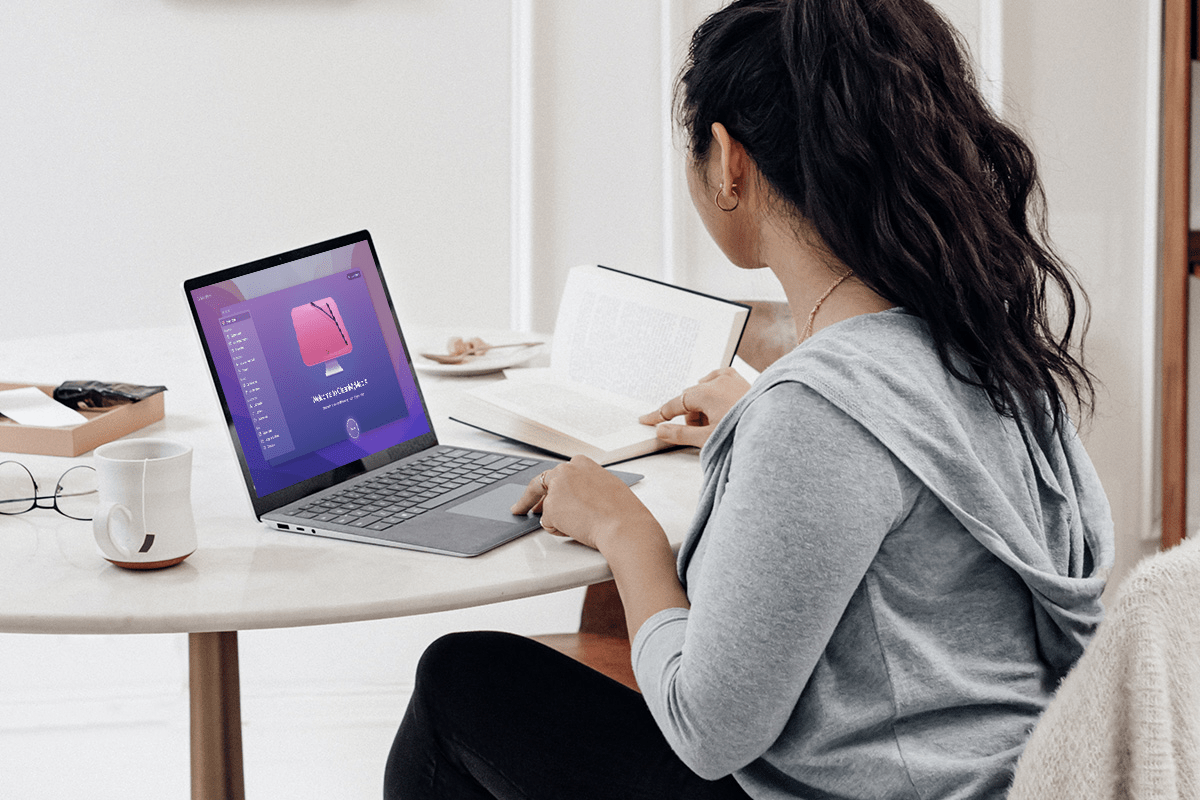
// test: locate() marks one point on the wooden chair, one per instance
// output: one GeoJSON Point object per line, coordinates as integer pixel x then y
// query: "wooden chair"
{"type": "Point", "coordinates": [602, 641]}
{"type": "Point", "coordinates": [770, 333]}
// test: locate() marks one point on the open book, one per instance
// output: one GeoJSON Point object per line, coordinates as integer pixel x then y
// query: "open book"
{"type": "Point", "coordinates": [623, 345]}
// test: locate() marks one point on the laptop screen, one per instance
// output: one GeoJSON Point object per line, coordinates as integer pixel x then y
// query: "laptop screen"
{"type": "Point", "coordinates": [310, 367]}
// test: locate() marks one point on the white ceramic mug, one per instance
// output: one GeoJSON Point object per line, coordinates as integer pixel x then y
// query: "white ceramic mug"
{"type": "Point", "coordinates": [145, 516]}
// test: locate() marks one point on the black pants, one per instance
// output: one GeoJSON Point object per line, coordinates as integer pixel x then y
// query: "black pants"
{"type": "Point", "coordinates": [495, 715]}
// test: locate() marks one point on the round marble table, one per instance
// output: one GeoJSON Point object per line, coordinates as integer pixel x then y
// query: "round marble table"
{"type": "Point", "coordinates": [244, 575]}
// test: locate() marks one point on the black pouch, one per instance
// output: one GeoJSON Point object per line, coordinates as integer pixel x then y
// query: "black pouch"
{"type": "Point", "coordinates": [97, 394]}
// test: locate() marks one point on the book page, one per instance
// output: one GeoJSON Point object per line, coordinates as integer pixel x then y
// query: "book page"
{"type": "Point", "coordinates": [638, 338]}
{"type": "Point", "coordinates": [596, 417]}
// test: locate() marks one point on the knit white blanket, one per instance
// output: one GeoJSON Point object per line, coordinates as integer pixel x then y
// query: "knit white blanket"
{"type": "Point", "coordinates": [1125, 723]}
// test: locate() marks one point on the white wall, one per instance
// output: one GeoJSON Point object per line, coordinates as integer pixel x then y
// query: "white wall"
{"type": "Point", "coordinates": [147, 141]}
{"type": "Point", "coordinates": [487, 146]}
{"type": "Point", "coordinates": [1082, 80]}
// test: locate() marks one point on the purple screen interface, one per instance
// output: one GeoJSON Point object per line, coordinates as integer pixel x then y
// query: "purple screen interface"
{"type": "Point", "coordinates": [310, 365]}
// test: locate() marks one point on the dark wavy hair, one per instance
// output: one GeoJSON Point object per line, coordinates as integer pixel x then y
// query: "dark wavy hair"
{"type": "Point", "coordinates": [865, 117]}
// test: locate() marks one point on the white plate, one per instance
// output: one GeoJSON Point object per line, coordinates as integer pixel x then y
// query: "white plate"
{"type": "Point", "coordinates": [493, 361]}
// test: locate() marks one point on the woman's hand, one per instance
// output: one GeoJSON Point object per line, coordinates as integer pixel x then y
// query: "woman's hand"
{"type": "Point", "coordinates": [586, 502]}
{"type": "Point", "coordinates": [702, 407]}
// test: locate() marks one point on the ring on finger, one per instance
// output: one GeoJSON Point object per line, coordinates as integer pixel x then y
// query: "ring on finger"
{"type": "Point", "coordinates": [542, 480]}
{"type": "Point", "coordinates": [683, 402]}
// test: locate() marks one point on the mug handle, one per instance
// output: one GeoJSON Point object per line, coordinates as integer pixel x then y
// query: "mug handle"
{"type": "Point", "coordinates": [102, 530]}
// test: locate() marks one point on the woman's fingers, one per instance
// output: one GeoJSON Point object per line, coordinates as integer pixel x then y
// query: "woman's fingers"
{"type": "Point", "coordinates": [687, 435]}
{"type": "Point", "coordinates": [702, 407]}
{"type": "Point", "coordinates": [534, 498]}
{"type": "Point", "coordinates": [667, 411]}
{"type": "Point", "coordinates": [531, 498]}
{"type": "Point", "coordinates": [691, 404]}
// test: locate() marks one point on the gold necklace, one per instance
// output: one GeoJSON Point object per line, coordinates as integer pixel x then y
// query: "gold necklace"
{"type": "Point", "coordinates": [808, 326]}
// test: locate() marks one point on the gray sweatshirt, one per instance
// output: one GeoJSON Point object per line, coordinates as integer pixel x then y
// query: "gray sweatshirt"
{"type": "Point", "coordinates": [887, 579]}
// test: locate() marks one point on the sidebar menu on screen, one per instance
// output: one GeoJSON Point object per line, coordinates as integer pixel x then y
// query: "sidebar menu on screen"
{"type": "Point", "coordinates": [262, 402]}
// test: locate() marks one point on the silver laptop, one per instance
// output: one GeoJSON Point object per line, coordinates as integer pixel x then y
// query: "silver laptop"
{"type": "Point", "coordinates": [327, 417]}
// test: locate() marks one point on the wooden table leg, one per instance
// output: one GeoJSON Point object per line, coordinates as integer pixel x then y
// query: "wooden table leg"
{"type": "Point", "coordinates": [216, 717]}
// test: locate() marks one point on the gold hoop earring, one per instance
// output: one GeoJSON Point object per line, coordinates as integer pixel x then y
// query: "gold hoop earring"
{"type": "Point", "coordinates": [736, 199]}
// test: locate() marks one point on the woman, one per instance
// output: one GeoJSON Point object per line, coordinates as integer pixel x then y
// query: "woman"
{"type": "Point", "coordinates": [901, 544]}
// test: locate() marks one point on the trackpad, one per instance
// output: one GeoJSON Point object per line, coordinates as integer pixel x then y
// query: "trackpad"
{"type": "Point", "coordinates": [494, 505]}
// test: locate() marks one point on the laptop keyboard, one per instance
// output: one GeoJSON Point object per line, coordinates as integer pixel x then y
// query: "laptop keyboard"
{"type": "Point", "coordinates": [411, 489]}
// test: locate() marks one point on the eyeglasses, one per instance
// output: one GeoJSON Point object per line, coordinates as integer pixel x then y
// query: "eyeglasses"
{"type": "Point", "coordinates": [75, 495]}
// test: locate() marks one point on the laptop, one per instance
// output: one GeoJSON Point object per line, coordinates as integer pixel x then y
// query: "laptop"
{"type": "Point", "coordinates": [327, 417]}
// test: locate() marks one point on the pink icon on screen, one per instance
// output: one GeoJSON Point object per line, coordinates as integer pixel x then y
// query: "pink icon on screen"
{"type": "Point", "coordinates": [321, 334]}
